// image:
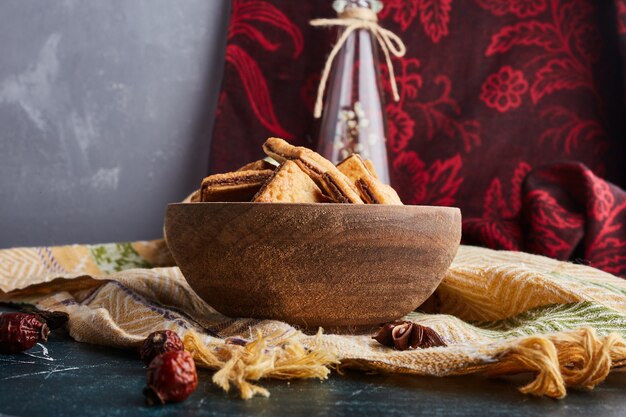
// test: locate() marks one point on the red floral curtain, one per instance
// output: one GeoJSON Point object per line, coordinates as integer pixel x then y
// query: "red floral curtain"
{"type": "Point", "coordinates": [512, 110]}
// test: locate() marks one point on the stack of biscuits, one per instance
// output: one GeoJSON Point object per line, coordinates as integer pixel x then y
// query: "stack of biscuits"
{"type": "Point", "coordinates": [301, 176]}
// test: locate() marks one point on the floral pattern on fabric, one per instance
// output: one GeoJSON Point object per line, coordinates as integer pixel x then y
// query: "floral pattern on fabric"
{"type": "Point", "coordinates": [503, 91]}
{"type": "Point", "coordinates": [504, 104]}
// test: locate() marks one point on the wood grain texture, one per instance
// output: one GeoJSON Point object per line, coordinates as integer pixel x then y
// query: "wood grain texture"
{"type": "Point", "coordinates": [313, 264]}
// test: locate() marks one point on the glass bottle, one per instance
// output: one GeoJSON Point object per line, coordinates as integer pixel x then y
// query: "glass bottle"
{"type": "Point", "coordinates": [353, 118]}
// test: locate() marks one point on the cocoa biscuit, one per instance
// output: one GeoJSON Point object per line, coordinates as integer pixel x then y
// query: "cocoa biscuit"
{"type": "Point", "coordinates": [326, 199]}
{"type": "Point", "coordinates": [375, 192]}
{"type": "Point", "coordinates": [259, 165]}
{"type": "Point", "coordinates": [193, 197]}
{"type": "Point", "coordinates": [233, 186]}
{"type": "Point", "coordinates": [314, 164]}
{"type": "Point", "coordinates": [289, 184]}
{"type": "Point", "coordinates": [354, 168]}
{"type": "Point", "coordinates": [370, 167]}
{"type": "Point", "coordinates": [280, 150]}
{"type": "Point", "coordinates": [371, 189]}
{"type": "Point", "coordinates": [338, 187]}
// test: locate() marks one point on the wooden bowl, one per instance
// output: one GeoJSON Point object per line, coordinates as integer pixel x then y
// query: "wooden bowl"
{"type": "Point", "coordinates": [313, 264]}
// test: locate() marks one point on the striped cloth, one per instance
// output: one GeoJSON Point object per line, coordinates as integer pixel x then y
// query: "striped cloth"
{"type": "Point", "coordinates": [501, 313]}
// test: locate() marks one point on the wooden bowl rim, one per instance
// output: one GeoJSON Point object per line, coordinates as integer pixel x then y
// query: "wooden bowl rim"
{"type": "Point", "coordinates": [332, 206]}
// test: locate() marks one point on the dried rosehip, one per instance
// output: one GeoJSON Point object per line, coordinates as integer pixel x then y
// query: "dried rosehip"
{"type": "Point", "coordinates": [404, 334]}
{"type": "Point", "coordinates": [20, 332]}
{"type": "Point", "coordinates": [159, 342]}
{"type": "Point", "coordinates": [172, 377]}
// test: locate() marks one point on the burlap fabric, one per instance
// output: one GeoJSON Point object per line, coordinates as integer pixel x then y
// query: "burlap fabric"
{"type": "Point", "coordinates": [501, 312]}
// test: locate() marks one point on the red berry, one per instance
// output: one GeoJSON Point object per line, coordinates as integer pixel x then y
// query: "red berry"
{"type": "Point", "coordinates": [172, 377]}
{"type": "Point", "coordinates": [20, 332]}
{"type": "Point", "coordinates": [160, 342]}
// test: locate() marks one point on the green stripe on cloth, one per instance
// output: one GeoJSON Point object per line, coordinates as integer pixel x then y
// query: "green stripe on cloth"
{"type": "Point", "coordinates": [555, 318]}
{"type": "Point", "coordinates": [115, 257]}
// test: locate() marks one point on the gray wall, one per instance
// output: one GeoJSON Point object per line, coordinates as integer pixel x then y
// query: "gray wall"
{"type": "Point", "coordinates": [106, 109]}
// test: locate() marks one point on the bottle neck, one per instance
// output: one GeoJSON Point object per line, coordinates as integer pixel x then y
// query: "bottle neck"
{"type": "Point", "coordinates": [358, 3]}
{"type": "Point", "coordinates": [341, 5]}
{"type": "Point", "coordinates": [359, 13]}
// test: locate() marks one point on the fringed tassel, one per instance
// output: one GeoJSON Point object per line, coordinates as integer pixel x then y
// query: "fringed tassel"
{"type": "Point", "coordinates": [576, 359]}
{"type": "Point", "coordinates": [533, 354]}
{"type": "Point", "coordinates": [584, 360]}
{"type": "Point", "coordinates": [617, 351]}
{"type": "Point", "coordinates": [265, 357]}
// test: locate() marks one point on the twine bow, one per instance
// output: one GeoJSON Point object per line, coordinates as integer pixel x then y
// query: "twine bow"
{"type": "Point", "coordinates": [353, 19]}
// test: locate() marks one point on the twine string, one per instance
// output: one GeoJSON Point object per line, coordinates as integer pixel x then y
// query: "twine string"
{"type": "Point", "coordinates": [352, 19]}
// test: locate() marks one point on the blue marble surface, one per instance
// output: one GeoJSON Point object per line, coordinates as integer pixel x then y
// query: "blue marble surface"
{"type": "Point", "coordinates": [76, 379]}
